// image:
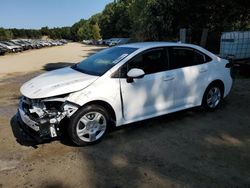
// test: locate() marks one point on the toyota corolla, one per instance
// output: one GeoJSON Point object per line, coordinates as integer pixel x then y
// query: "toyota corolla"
{"type": "Point", "coordinates": [121, 85]}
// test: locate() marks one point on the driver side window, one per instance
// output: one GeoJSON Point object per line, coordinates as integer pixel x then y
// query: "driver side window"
{"type": "Point", "coordinates": [152, 61]}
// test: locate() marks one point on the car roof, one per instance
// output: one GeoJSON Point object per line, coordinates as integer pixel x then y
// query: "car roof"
{"type": "Point", "coordinates": [145, 45]}
{"type": "Point", "coordinates": [148, 45]}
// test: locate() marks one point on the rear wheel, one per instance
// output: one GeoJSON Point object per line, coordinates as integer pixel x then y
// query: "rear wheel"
{"type": "Point", "coordinates": [89, 125]}
{"type": "Point", "coordinates": [212, 97]}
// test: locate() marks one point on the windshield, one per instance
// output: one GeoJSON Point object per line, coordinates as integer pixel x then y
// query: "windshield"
{"type": "Point", "coordinates": [102, 61]}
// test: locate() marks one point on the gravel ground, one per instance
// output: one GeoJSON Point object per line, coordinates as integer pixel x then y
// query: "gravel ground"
{"type": "Point", "coordinates": [191, 148]}
{"type": "Point", "coordinates": [45, 58]}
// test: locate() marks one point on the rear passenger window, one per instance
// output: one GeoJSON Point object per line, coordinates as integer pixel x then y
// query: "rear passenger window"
{"type": "Point", "coordinates": [184, 57]}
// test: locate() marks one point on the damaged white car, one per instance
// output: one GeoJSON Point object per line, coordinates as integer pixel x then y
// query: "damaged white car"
{"type": "Point", "coordinates": [121, 85]}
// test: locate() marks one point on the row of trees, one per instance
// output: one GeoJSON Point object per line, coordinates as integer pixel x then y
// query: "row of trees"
{"type": "Point", "coordinates": [6, 34]}
{"type": "Point", "coordinates": [84, 29]}
{"type": "Point", "coordinates": [162, 19]}
{"type": "Point", "coordinates": [77, 32]}
{"type": "Point", "coordinates": [145, 20]}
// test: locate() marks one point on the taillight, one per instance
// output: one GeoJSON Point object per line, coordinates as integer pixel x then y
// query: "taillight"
{"type": "Point", "coordinates": [230, 66]}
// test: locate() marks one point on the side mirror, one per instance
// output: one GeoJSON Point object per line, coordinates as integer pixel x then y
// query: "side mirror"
{"type": "Point", "coordinates": [134, 73]}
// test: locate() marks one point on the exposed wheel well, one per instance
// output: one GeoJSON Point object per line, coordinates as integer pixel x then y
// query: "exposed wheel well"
{"type": "Point", "coordinates": [218, 83]}
{"type": "Point", "coordinates": [105, 105]}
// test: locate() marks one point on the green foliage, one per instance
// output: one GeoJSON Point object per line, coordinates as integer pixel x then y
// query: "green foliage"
{"type": "Point", "coordinates": [84, 32]}
{"type": "Point", "coordinates": [26, 33]}
{"type": "Point", "coordinates": [45, 31]}
{"type": "Point", "coordinates": [107, 21]}
{"type": "Point", "coordinates": [95, 18]}
{"type": "Point", "coordinates": [81, 30]}
{"type": "Point", "coordinates": [86, 29]}
{"type": "Point", "coordinates": [57, 33]}
{"type": "Point", "coordinates": [145, 20]}
{"type": "Point", "coordinates": [65, 33]}
{"type": "Point", "coordinates": [161, 20]}
{"type": "Point", "coordinates": [5, 34]}
{"type": "Point", "coordinates": [152, 19]}
{"type": "Point", "coordinates": [74, 29]}
{"type": "Point", "coordinates": [115, 20]}
{"type": "Point", "coordinates": [96, 32]}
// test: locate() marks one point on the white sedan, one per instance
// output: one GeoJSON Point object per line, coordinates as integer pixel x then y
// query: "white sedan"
{"type": "Point", "coordinates": [121, 85]}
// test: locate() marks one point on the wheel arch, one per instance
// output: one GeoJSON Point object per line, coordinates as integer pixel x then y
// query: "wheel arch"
{"type": "Point", "coordinates": [105, 105]}
{"type": "Point", "coordinates": [218, 83]}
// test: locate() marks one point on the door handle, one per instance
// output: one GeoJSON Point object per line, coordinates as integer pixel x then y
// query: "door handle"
{"type": "Point", "coordinates": [168, 78]}
{"type": "Point", "coordinates": [202, 70]}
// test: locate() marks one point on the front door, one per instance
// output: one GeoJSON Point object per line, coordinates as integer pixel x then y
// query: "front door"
{"type": "Point", "coordinates": [154, 93]}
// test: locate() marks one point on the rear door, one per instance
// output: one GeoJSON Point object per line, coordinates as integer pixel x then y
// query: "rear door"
{"type": "Point", "coordinates": [191, 68]}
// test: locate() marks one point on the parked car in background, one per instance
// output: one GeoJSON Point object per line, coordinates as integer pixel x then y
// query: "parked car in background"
{"type": "Point", "coordinates": [63, 41]}
{"type": "Point", "coordinates": [92, 42]}
{"type": "Point", "coordinates": [115, 41]}
{"type": "Point", "coordinates": [109, 41]}
{"type": "Point", "coordinates": [2, 50]}
{"type": "Point", "coordinates": [121, 85]}
{"type": "Point", "coordinates": [118, 41]}
{"type": "Point", "coordinates": [27, 43]}
{"type": "Point", "coordinates": [87, 41]}
{"type": "Point", "coordinates": [18, 48]}
{"type": "Point", "coordinates": [10, 47]}
{"type": "Point", "coordinates": [18, 45]}
{"type": "Point", "coordinates": [3, 46]}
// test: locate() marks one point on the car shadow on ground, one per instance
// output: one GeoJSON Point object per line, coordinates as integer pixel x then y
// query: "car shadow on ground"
{"type": "Point", "coordinates": [58, 65]}
{"type": "Point", "coordinates": [25, 139]}
{"type": "Point", "coordinates": [54, 66]}
{"type": "Point", "coordinates": [21, 137]}
{"type": "Point", "coordinates": [88, 52]}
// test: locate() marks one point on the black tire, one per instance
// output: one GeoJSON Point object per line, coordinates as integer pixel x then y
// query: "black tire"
{"type": "Point", "coordinates": [216, 100]}
{"type": "Point", "coordinates": [87, 112]}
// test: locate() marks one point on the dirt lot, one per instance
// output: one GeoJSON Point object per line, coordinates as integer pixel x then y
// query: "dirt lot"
{"type": "Point", "coordinates": [192, 148]}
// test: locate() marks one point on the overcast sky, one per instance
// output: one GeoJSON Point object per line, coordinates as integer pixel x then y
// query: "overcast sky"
{"type": "Point", "coordinates": [34, 14]}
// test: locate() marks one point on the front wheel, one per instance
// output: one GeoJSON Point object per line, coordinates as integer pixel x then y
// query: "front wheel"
{"type": "Point", "coordinates": [212, 97]}
{"type": "Point", "coordinates": [89, 125]}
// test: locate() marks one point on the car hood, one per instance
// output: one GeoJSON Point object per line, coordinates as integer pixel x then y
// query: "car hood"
{"type": "Point", "coordinates": [57, 82]}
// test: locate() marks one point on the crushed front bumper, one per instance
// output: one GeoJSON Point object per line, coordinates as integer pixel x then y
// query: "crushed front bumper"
{"type": "Point", "coordinates": [43, 126]}
{"type": "Point", "coordinates": [37, 131]}
{"type": "Point", "coordinates": [28, 132]}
